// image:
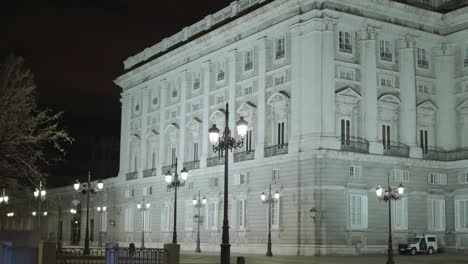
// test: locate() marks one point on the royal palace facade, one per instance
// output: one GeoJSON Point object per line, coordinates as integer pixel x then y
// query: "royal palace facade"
{"type": "Point", "coordinates": [340, 95]}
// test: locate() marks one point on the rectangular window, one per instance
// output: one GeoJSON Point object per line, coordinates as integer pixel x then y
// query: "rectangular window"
{"type": "Point", "coordinates": [129, 218]}
{"type": "Point", "coordinates": [423, 144]}
{"type": "Point", "coordinates": [385, 81]}
{"type": "Point", "coordinates": [345, 42]}
{"type": "Point", "coordinates": [424, 88]}
{"type": "Point", "coordinates": [104, 221]}
{"type": "Point", "coordinates": [422, 58]}
{"type": "Point", "coordinates": [165, 217]}
{"type": "Point", "coordinates": [398, 176]}
{"type": "Point", "coordinates": [275, 174]}
{"type": "Point", "coordinates": [213, 182]}
{"type": "Point", "coordinates": [195, 107]}
{"type": "Point", "coordinates": [147, 219]}
{"type": "Point", "coordinates": [221, 71]}
{"type": "Point", "coordinates": [386, 51]}
{"type": "Point", "coordinates": [280, 134]}
{"type": "Point", "coordinates": [212, 215]}
{"type": "Point", "coordinates": [386, 136]}
{"type": "Point", "coordinates": [465, 59]}
{"type": "Point", "coordinates": [463, 177]}
{"type": "Point", "coordinates": [437, 216]}
{"type": "Point", "coordinates": [196, 81]}
{"type": "Point", "coordinates": [355, 172]}
{"type": "Point", "coordinates": [174, 93]}
{"type": "Point", "coordinates": [195, 151]}
{"type": "Point", "coordinates": [279, 78]}
{"type": "Point", "coordinates": [345, 132]}
{"type": "Point", "coordinates": [275, 214]}
{"type": "Point", "coordinates": [241, 213]}
{"type": "Point", "coordinates": [346, 74]}
{"type": "Point", "coordinates": [461, 215]}
{"type": "Point", "coordinates": [358, 211]}
{"type": "Point", "coordinates": [188, 216]}
{"type": "Point", "coordinates": [240, 179]}
{"type": "Point", "coordinates": [437, 178]}
{"type": "Point", "coordinates": [280, 48]}
{"type": "Point", "coordinates": [400, 214]}
{"type": "Point", "coordinates": [248, 141]}
{"type": "Point", "coordinates": [248, 60]}
{"type": "Point", "coordinates": [248, 90]}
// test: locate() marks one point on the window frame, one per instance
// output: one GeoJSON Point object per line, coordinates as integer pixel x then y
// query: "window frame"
{"type": "Point", "coordinates": [403, 202]}
{"type": "Point", "coordinates": [364, 207]}
{"type": "Point", "coordinates": [280, 54]}
{"type": "Point", "coordinates": [248, 60]}
{"type": "Point", "coordinates": [345, 48]}
{"type": "Point", "coordinates": [422, 58]}
{"type": "Point", "coordinates": [457, 201]}
{"type": "Point", "coordinates": [442, 215]}
{"type": "Point", "coordinates": [383, 50]}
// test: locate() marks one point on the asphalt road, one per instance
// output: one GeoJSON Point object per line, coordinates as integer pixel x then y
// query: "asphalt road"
{"type": "Point", "coordinates": [445, 258]}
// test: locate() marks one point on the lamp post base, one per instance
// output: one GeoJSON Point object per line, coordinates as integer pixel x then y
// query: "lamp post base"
{"type": "Point", "coordinates": [225, 253]}
{"type": "Point", "coordinates": [197, 250]}
{"type": "Point", "coordinates": [269, 254]}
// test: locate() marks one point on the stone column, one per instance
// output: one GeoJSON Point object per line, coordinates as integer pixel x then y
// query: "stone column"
{"type": "Point", "coordinates": [207, 81]}
{"type": "Point", "coordinates": [296, 82]}
{"type": "Point", "coordinates": [329, 139]}
{"type": "Point", "coordinates": [261, 109]}
{"type": "Point", "coordinates": [446, 116]}
{"type": "Point", "coordinates": [369, 89]}
{"type": "Point", "coordinates": [144, 132]}
{"type": "Point", "coordinates": [162, 124]}
{"type": "Point", "coordinates": [183, 93]}
{"type": "Point", "coordinates": [232, 60]}
{"type": "Point", "coordinates": [124, 134]}
{"type": "Point", "coordinates": [408, 96]}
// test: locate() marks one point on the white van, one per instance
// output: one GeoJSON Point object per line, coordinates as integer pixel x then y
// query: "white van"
{"type": "Point", "coordinates": [420, 243]}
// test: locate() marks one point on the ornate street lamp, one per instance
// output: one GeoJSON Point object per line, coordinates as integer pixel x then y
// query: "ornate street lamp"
{"type": "Point", "coordinates": [269, 199]}
{"type": "Point", "coordinates": [198, 203]}
{"type": "Point", "coordinates": [101, 210]}
{"type": "Point", "coordinates": [40, 195]}
{"type": "Point", "coordinates": [225, 143]}
{"type": "Point", "coordinates": [173, 182]}
{"type": "Point", "coordinates": [86, 190]}
{"type": "Point", "coordinates": [388, 195]}
{"type": "Point", "coordinates": [143, 207]}
{"type": "Point", "coordinates": [3, 202]}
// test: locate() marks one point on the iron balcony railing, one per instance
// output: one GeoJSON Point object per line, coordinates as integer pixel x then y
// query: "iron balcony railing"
{"type": "Point", "coordinates": [214, 161]}
{"type": "Point", "coordinates": [355, 145]}
{"type": "Point", "coordinates": [192, 165]}
{"type": "Point", "coordinates": [131, 176]}
{"type": "Point", "coordinates": [244, 155]}
{"type": "Point", "coordinates": [149, 173]}
{"type": "Point", "coordinates": [276, 150]}
{"type": "Point", "coordinates": [445, 155]}
{"type": "Point", "coordinates": [397, 149]}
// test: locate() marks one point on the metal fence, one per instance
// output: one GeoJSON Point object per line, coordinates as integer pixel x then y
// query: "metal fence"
{"type": "Point", "coordinates": [276, 150]}
{"type": "Point", "coordinates": [355, 145]}
{"type": "Point", "coordinates": [112, 256]}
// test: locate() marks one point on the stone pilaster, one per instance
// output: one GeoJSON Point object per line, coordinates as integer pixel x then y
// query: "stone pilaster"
{"type": "Point", "coordinates": [205, 142]}
{"type": "Point", "coordinates": [261, 109]}
{"type": "Point", "coordinates": [446, 116]}
{"type": "Point", "coordinates": [408, 96]}
{"type": "Point", "coordinates": [296, 82]}
{"type": "Point", "coordinates": [232, 60]}
{"type": "Point", "coordinates": [182, 129]}
{"type": "Point", "coordinates": [144, 128]}
{"type": "Point", "coordinates": [369, 89]}
{"type": "Point", "coordinates": [162, 124]}
{"type": "Point", "coordinates": [125, 132]}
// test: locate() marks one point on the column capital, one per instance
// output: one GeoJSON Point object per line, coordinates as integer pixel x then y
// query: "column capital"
{"type": "Point", "coordinates": [407, 41]}
{"type": "Point", "coordinates": [369, 32]}
{"type": "Point", "coordinates": [232, 55]}
{"type": "Point", "coordinates": [262, 42]}
{"type": "Point", "coordinates": [206, 65]}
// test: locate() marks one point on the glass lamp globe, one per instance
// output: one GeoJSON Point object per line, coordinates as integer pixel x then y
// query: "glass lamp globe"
{"type": "Point", "coordinates": [6, 198]}
{"type": "Point", "coordinates": [36, 193]}
{"type": "Point", "coordinates": [378, 191]}
{"type": "Point", "coordinates": [242, 127]}
{"type": "Point", "coordinates": [139, 205]}
{"type": "Point", "coordinates": [45, 213]}
{"type": "Point", "coordinates": [43, 193]}
{"type": "Point", "coordinates": [184, 174]}
{"type": "Point", "coordinates": [213, 133]}
{"type": "Point", "coordinates": [204, 200]}
{"type": "Point", "coordinates": [277, 195]}
{"type": "Point", "coordinates": [98, 209]}
{"type": "Point", "coordinates": [104, 208]}
{"type": "Point", "coordinates": [401, 189]}
{"type": "Point", "coordinates": [194, 201]}
{"type": "Point", "coordinates": [1, 199]}
{"type": "Point", "coordinates": [100, 184]}
{"type": "Point", "coordinates": [34, 213]}
{"type": "Point", "coordinates": [168, 177]}
{"type": "Point", "coordinates": [148, 205]}
{"type": "Point", "coordinates": [76, 185]}
{"type": "Point", "coordinates": [263, 196]}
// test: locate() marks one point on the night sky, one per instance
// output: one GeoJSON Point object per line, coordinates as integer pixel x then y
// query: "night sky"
{"type": "Point", "coordinates": [76, 49]}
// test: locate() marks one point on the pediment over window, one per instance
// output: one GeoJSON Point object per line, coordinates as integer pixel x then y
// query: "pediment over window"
{"type": "Point", "coordinates": [152, 134]}
{"type": "Point", "coordinates": [463, 108]}
{"type": "Point", "coordinates": [278, 98]}
{"type": "Point", "coordinates": [389, 102]}
{"type": "Point", "coordinates": [246, 107]}
{"type": "Point", "coordinates": [347, 95]}
{"type": "Point", "coordinates": [218, 114]}
{"type": "Point", "coordinates": [194, 124]}
{"type": "Point", "coordinates": [427, 106]}
{"type": "Point", "coordinates": [135, 137]}
{"type": "Point", "coordinates": [173, 127]}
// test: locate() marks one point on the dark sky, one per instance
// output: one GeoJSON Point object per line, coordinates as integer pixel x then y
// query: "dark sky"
{"type": "Point", "coordinates": [76, 49]}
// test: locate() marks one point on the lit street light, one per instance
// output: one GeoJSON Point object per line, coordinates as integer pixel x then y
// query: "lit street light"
{"type": "Point", "coordinates": [225, 143]}
{"type": "Point", "coordinates": [143, 207]}
{"type": "Point", "coordinates": [86, 190]}
{"type": "Point", "coordinates": [101, 210]}
{"type": "Point", "coordinates": [40, 195]}
{"type": "Point", "coordinates": [388, 195]}
{"type": "Point", "coordinates": [269, 199]}
{"type": "Point", "coordinates": [198, 203]}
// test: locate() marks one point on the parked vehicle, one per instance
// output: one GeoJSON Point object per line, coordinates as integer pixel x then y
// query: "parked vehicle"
{"type": "Point", "coordinates": [420, 243]}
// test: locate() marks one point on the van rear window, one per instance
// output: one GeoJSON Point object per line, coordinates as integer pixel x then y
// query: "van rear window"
{"type": "Point", "coordinates": [431, 239]}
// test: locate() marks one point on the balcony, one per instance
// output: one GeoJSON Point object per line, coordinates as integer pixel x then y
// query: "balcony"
{"type": "Point", "coordinates": [244, 155]}
{"type": "Point", "coordinates": [192, 165]}
{"type": "Point", "coordinates": [215, 161]}
{"type": "Point", "coordinates": [396, 149]}
{"type": "Point", "coordinates": [149, 173]}
{"type": "Point", "coordinates": [355, 145]}
{"type": "Point", "coordinates": [276, 150]}
{"type": "Point", "coordinates": [131, 176]}
{"type": "Point", "coordinates": [444, 155]}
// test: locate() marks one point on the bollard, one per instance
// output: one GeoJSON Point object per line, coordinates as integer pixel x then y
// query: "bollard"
{"type": "Point", "coordinates": [6, 256]}
{"type": "Point", "coordinates": [47, 253]}
{"type": "Point", "coordinates": [112, 253]}
{"type": "Point", "coordinates": [240, 260]}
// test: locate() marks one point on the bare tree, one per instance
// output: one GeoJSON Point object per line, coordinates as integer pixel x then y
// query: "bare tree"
{"type": "Point", "coordinates": [31, 140]}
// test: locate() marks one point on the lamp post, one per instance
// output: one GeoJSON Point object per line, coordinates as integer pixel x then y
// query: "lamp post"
{"type": "Point", "coordinates": [173, 182]}
{"type": "Point", "coordinates": [269, 199]}
{"type": "Point", "coordinates": [40, 195]}
{"type": "Point", "coordinates": [86, 190]}
{"type": "Point", "coordinates": [388, 195]}
{"type": "Point", "coordinates": [198, 203]}
{"type": "Point", "coordinates": [101, 210]}
{"type": "Point", "coordinates": [143, 207]}
{"type": "Point", "coordinates": [225, 143]}
{"type": "Point", "coordinates": [3, 202]}
{"type": "Point", "coordinates": [75, 222]}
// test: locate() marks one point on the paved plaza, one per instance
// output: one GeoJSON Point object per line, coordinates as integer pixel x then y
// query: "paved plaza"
{"type": "Point", "coordinates": [211, 258]}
